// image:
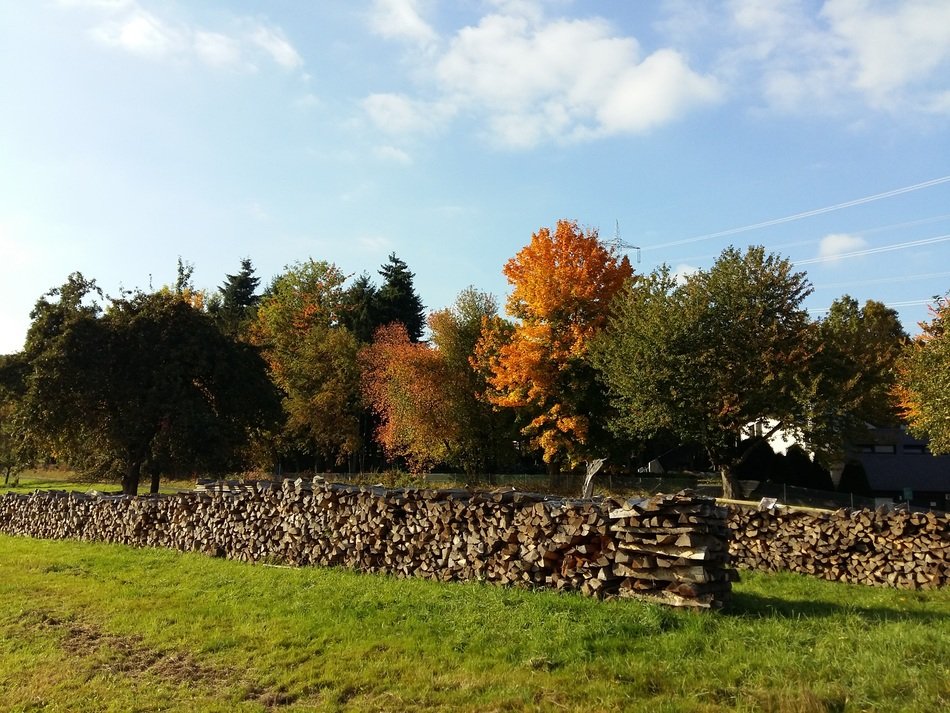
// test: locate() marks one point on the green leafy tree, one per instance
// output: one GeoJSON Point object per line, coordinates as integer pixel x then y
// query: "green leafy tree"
{"type": "Point", "coordinates": [15, 452]}
{"type": "Point", "coordinates": [312, 359]}
{"type": "Point", "coordinates": [183, 279]}
{"type": "Point", "coordinates": [486, 433]}
{"type": "Point", "coordinates": [854, 374]}
{"type": "Point", "coordinates": [923, 391]}
{"type": "Point", "coordinates": [147, 387]}
{"type": "Point", "coordinates": [397, 301]}
{"type": "Point", "coordinates": [730, 346]}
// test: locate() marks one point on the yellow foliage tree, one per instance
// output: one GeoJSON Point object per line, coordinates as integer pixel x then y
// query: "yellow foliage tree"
{"type": "Point", "coordinates": [923, 390]}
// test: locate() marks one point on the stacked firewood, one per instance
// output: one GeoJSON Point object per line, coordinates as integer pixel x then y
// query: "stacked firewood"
{"type": "Point", "coordinates": [894, 549]}
{"type": "Point", "coordinates": [671, 549]}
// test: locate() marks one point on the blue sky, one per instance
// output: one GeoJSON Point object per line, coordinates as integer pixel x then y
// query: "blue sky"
{"type": "Point", "coordinates": [133, 132]}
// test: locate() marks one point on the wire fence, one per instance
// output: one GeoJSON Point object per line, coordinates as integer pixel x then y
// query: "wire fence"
{"type": "Point", "coordinates": [624, 486]}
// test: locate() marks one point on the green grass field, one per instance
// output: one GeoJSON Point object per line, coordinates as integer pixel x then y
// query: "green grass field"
{"type": "Point", "coordinates": [91, 627]}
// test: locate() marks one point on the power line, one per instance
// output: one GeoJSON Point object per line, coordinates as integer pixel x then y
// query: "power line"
{"type": "Point", "coordinates": [815, 241]}
{"type": "Point", "coordinates": [883, 280]}
{"type": "Point", "coordinates": [873, 251]}
{"type": "Point", "coordinates": [904, 303]}
{"type": "Point", "coordinates": [805, 214]}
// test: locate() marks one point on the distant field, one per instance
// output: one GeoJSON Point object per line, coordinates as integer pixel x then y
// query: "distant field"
{"type": "Point", "coordinates": [52, 479]}
{"type": "Point", "coordinates": [568, 484]}
{"type": "Point", "coordinates": [91, 627]}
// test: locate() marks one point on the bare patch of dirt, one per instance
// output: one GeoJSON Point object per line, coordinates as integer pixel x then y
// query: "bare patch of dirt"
{"type": "Point", "coordinates": [131, 656]}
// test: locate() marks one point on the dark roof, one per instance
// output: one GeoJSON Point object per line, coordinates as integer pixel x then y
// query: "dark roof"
{"type": "Point", "coordinates": [911, 465]}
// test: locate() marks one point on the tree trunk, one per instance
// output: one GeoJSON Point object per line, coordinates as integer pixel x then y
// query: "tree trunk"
{"type": "Point", "coordinates": [130, 482]}
{"type": "Point", "coordinates": [554, 475]}
{"type": "Point", "coordinates": [731, 487]}
{"type": "Point", "coordinates": [156, 477]}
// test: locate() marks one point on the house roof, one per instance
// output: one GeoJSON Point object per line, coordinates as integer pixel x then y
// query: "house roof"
{"type": "Point", "coordinates": [918, 472]}
{"type": "Point", "coordinates": [910, 465]}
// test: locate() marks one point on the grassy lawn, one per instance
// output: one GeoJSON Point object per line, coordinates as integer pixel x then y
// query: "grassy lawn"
{"type": "Point", "coordinates": [89, 627]}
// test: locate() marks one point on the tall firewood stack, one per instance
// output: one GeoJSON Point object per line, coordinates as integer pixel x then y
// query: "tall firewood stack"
{"type": "Point", "coordinates": [673, 549]}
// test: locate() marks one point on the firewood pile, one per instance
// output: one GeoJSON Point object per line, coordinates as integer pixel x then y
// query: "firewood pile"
{"type": "Point", "coordinates": [673, 549]}
{"type": "Point", "coordinates": [670, 549]}
{"type": "Point", "coordinates": [893, 549]}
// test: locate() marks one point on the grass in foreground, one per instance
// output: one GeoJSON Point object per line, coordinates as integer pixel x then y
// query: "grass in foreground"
{"type": "Point", "coordinates": [108, 628]}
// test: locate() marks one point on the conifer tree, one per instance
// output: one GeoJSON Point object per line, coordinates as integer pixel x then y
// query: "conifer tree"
{"type": "Point", "coordinates": [397, 300]}
{"type": "Point", "coordinates": [359, 311]}
{"type": "Point", "coordinates": [239, 299]}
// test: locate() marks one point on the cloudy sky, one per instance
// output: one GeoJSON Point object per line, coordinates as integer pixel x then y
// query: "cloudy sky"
{"type": "Point", "coordinates": [133, 132]}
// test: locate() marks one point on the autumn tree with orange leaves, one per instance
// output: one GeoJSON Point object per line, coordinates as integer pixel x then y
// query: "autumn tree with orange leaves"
{"type": "Point", "coordinates": [923, 391]}
{"type": "Point", "coordinates": [563, 283]}
{"type": "Point", "coordinates": [426, 396]}
{"type": "Point", "coordinates": [404, 384]}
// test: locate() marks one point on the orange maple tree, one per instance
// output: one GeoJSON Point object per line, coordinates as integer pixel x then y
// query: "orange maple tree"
{"type": "Point", "coordinates": [563, 282]}
{"type": "Point", "coordinates": [405, 384]}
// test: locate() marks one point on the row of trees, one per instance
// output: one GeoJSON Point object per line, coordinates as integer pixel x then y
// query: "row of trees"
{"type": "Point", "coordinates": [177, 380]}
{"type": "Point", "coordinates": [592, 361]}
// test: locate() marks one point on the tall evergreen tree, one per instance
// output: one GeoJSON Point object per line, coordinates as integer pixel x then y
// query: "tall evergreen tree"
{"type": "Point", "coordinates": [239, 299]}
{"type": "Point", "coordinates": [397, 300]}
{"type": "Point", "coordinates": [360, 309]}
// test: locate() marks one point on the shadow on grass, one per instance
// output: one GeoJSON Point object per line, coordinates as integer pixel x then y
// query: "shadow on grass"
{"type": "Point", "coordinates": [748, 605]}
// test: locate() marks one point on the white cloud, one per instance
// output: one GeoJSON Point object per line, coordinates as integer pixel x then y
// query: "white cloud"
{"type": "Point", "coordinates": [218, 50]}
{"type": "Point", "coordinates": [126, 25]}
{"type": "Point", "coordinates": [836, 244]}
{"type": "Point", "coordinates": [683, 271]}
{"type": "Point", "coordinates": [393, 154]}
{"type": "Point", "coordinates": [533, 80]}
{"type": "Point", "coordinates": [401, 19]}
{"type": "Point", "coordinates": [890, 56]}
{"type": "Point", "coordinates": [399, 114]}
{"type": "Point", "coordinates": [656, 91]}
{"type": "Point", "coordinates": [892, 47]}
{"type": "Point", "coordinates": [273, 42]}
{"type": "Point", "coordinates": [143, 34]}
